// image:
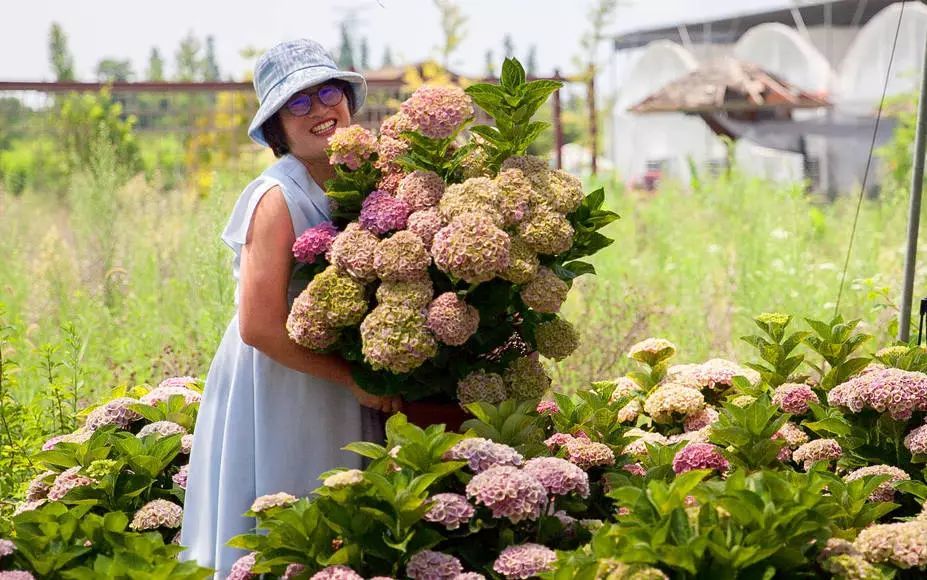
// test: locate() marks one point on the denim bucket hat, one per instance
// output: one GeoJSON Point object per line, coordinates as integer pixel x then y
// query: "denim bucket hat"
{"type": "Point", "coordinates": [290, 67]}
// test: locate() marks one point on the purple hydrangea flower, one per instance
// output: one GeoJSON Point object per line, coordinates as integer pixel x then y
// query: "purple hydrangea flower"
{"type": "Point", "coordinates": [7, 547]}
{"type": "Point", "coordinates": [66, 481]}
{"type": "Point", "coordinates": [452, 320]}
{"type": "Point", "coordinates": [115, 412]}
{"type": "Point", "coordinates": [180, 478]}
{"type": "Point", "coordinates": [891, 390]}
{"type": "Point", "coordinates": [450, 510]}
{"type": "Point", "coordinates": [794, 398]}
{"type": "Point", "coordinates": [241, 569]}
{"type": "Point", "coordinates": [482, 454]}
{"type": "Point", "coordinates": [916, 440]}
{"type": "Point", "coordinates": [381, 212]}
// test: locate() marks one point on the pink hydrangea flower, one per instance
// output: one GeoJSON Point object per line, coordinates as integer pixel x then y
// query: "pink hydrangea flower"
{"type": "Point", "coordinates": [482, 454]}
{"type": "Point", "coordinates": [509, 493]}
{"type": "Point", "coordinates": [241, 569]}
{"type": "Point", "coordinates": [180, 478]}
{"type": "Point", "coordinates": [891, 390]}
{"type": "Point", "coordinates": [314, 242]}
{"type": "Point", "coordinates": [525, 561]}
{"type": "Point", "coordinates": [158, 513]}
{"type": "Point", "coordinates": [916, 440]}
{"type": "Point", "coordinates": [635, 469]}
{"type": "Point", "coordinates": [425, 224]}
{"type": "Point", "coordinates": [715, 374]}
{"type": "Point", "coordinates": [437, 112]}
{"type": "Point", "coordinates": [547, 407]}
{"type": "Point", "coordinates": [817, 450]}
{"type": "Point", "coordinates": [451, 510]}
{"type": "Point", "coordinates": [337, 573]}
{"type": "Point", "coordinates": [266, 502]}
{"type": "Point", "coordinates": [903, 544]}
{"type": "Point", "coordinates": [184, 381]}
{"type": "Point", "coordinates": [16, 575]}
{"type": "Point", "coordinates": [351, 146]}
{"type": "Point", "coordinates": [7, 547]}
{"type": "Point", "coordinates": [558, 476]}
{"type": "Point", "coordinates": [886, 490]}
{"type": "Point", "coordinates": [421, 189]}
{"type": "Point", "coordinates": [430, 565]}
{"type": "Point", "coordinates": [162, 394]}
{"type": "Point", "coordinates": [293, 570]}
{"type": "Point", "coordinates": [452, 320]}
{"type": "Point", "coordinates": [66, 481]}
{"type": "Point", "coordinates": [699, 456]}
{"type": "Point", "coordinates": [471, 248]}
{"type": "Point", "coordinates": [794, 398]}
{"type": "Point", "coordinates": [381, 212]}
{"type": "Point", "coordinates": [186, 444]}
{"type": "Point", "coordinates": [700, 419]}
{"type": "Point", "coordinates": [161, 429]}
{"type": "Point", "coordinates": [588, 454]}
{"type": "Point", "coordinates": [115, 412]}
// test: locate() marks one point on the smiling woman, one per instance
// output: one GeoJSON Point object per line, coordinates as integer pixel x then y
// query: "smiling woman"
{"type": "Point", "coordinates": [275, 415]}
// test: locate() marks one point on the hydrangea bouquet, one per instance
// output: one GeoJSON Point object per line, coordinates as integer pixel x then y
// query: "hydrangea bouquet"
{"type": "Point", "coordinates": [451, 250]}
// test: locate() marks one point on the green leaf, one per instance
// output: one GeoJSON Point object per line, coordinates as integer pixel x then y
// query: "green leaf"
{"type": "Point", "coordinates": [513, 74]}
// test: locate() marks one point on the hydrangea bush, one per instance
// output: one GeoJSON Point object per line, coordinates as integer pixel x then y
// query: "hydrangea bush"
{"type": "Point", "coordinates": [448, 246]}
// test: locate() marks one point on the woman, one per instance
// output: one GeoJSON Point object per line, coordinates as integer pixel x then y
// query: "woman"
{"type": "Point", "coordinates": [275, 415]}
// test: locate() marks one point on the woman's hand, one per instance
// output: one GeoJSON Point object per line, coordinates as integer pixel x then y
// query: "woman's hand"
{"type": "Point", "coordinates": [388, 404]}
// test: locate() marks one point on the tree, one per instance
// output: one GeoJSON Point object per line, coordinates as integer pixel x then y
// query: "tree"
{"type": "Point", "coordinates": [452, 25]}
{"type": "Point", "coordinates": [155, 65]}
{"type": "Point", "coordinates": [508, 47]}
{"type": "Point", "coordinates": [112, 70]}
{"type": "Point", "coordinates": [346, 51]}
{"type": "Point", "coordinates": [210, 64]}
{"type": "Point", "coordinates": [599, 16]}
{"type": "Point", "coordinates": [188, 58]}
{"type": "Point", "coordinates": [387, 57]}
{"type": "Point", "coordinates": [62, 61]}
{"type": "Point", "coordinates": [531, 61]}
{"type": "Point", "coordinates": [490, 64]}
{"type": "Point", "coordinates": [364, 54]}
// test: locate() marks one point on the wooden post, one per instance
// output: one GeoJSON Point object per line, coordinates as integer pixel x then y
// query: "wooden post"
{"type": "Point", "coordinates": [593, 121]}
{"type": "Point", "coordinates": [558, 124]}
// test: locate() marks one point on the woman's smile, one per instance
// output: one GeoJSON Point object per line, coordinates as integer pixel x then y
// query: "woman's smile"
{"type": "Point", "coordinates": [325, 128]}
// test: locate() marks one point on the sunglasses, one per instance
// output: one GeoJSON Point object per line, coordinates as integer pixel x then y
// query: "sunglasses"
{"type": "Point", "coordinates": [300, 104]}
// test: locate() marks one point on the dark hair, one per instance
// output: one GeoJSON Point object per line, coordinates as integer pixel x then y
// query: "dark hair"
{"type": "Point", "coordinates": [273, 127]}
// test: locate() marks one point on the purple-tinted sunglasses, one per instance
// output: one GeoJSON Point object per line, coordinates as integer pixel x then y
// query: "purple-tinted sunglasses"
{"type": "Point", "coordinates": [300, 103]}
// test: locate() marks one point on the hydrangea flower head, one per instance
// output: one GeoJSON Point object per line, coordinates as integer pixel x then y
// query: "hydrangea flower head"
{"type": "Point", "coordinates": [352, 251]}
{"type": "Point", "coordinates": [314, 242]}
{"type": "Point", "coordinates": [558, 476]}
{"type": "Point", "coordinates": [452, 320]}
{"type": "Point", "coordinates": [161, 429]}
{"type": "Point", "coordinates": [162, 394]}
{"type": "Point", "coordinates": [66, 481]}
{"type": "Point", "coordinates": [652, 351]}
{"type": "Point", "coordinates": [416, 293]}
{"type": "Point", "coordinates": [817, 450]}
{"type": "Point", "coordinates": [425, 224]}
{"type": "Point", "coordinates": [421, 189]}
{"type": "Point", "coordinates": [903, 544]}
{"type": "Point", "coordinates": [794, 398]}
{"type": "Point", "coordinates": [471, 248]}
{"type": "Point", "coordinates": [158, 513]}
{"type": "Point", "coordinates": [7, 547]}
{"type": "Point", "coordinates": [509, 493]}
{"type": "Point", "coordinates": [351, 146]}
{"type": "Point", "coordinates": [180, 478]}
{"type": "Point", "coordinates": [382, 212]}
{"type": "Point", "coordinates": [525, 561]}
{"type": "Point", "coordinates": [715, 374]}
{"type": "Point", "coordinates": [546, 292]}
{"type": "Point", "coordinates": [546, 232]}
{"type": "Point", "coordinates": [482, 454]}
{"type": "Point", "coordinates": [588, 454]}
{"type": "Point", "coordinates": [396, 338]}
{"type": "Point", "coordinates": [475, 195]}
{"type": "Point", "coordinates": [436, 111]}
{"type": "Point", "coordinates": [514, 199]}
{"type": "Point", "coordinates": [886, 490]}
{"type": "Point", "coordinates": [700, 419]}
{"type": "Point", "coordinates": [339, 572]}
{"type": "Point", "coordinates": [451, 510]}
{"type": "Point", "coordinates": [115, 412]}
{"type": "Point", "coordinates": [898, 392]}
{"type": "Point", "coordinates": [344, 478]}
{"type": "Point", "coordinates": [699, 456]}
{"type": "Point", "coordinates": [523, 263]}
{"type": "Point", "coordinates": [556, 338]}
{"type": "Point", "coordinates": [526, 378]}
{"type": "Point", "coordinates": [673, 400]}
{"type": "Point", "coordinates": [916, 440]}
{"type": "Point", "coordinates": [39, 486]}
{"type": "Point", "coordinates": [241, 569]}
{"type": "Point", "coordinates": [401, 257]}
{"type": "Point", "coordinates": [481, 386]}
{"type": "Point", "coordinates": [266, 502]}
{"type": "Point", "coordinates": [430, 565]}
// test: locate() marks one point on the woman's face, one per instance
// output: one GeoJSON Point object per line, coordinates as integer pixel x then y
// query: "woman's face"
{"type": "Point", "coordinates": [307, 135]}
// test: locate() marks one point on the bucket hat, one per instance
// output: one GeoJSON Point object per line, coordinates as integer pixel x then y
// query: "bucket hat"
{"type": "Point", "coordinates": [290, 67]}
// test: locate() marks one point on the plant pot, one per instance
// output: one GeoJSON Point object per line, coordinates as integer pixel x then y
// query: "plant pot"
{"type": "Point", "coordinates": [425, 413]}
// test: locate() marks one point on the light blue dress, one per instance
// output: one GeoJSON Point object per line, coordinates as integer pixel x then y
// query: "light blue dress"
{"type": "Point", "coordinates": [262, 427]}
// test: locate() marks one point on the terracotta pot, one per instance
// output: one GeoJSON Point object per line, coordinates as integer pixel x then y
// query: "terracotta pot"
{"type": "Point", "coordinates": [425, 413]}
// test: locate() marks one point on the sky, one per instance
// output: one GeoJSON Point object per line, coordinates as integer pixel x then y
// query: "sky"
{"type": "Point", "coordinates": [98, 29]}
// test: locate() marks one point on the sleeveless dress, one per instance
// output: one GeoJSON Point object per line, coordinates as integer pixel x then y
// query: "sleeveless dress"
{"type": "Point", "coordinates": [262, 427]}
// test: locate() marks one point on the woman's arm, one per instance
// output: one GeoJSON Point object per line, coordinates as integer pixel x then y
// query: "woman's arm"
{"type": "Point", "coordinates": [266, 263]}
